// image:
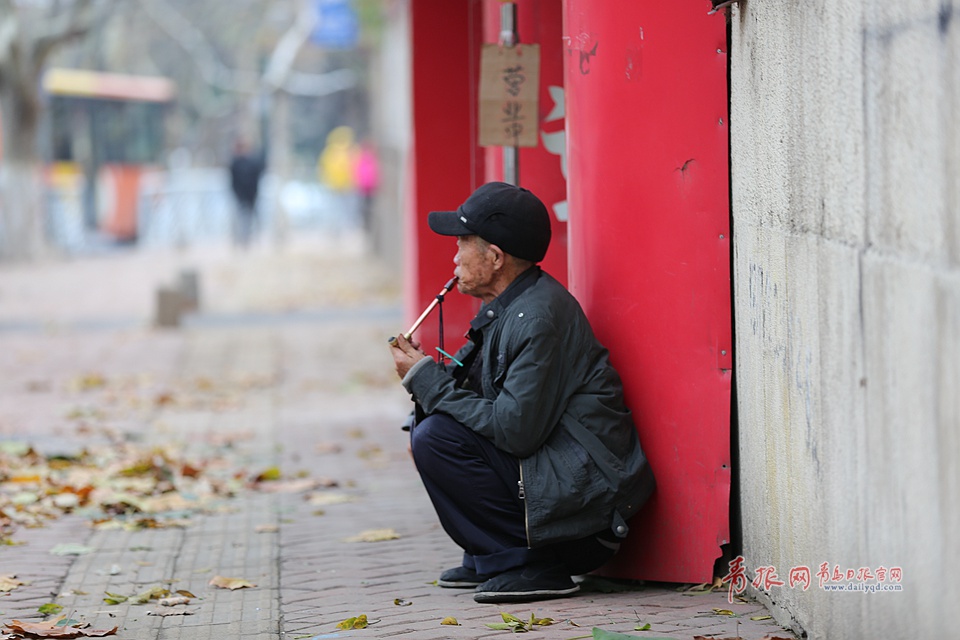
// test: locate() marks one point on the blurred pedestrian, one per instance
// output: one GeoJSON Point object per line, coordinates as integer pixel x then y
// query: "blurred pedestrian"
{"type": "Point", "coordinates": [335, 170]}
{"type": "Point", "coordinates": [367, 178]}
{"type": "Point", "coordinates": [246, 169]}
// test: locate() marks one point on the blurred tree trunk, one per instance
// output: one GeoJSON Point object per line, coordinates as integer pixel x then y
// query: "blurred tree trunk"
{"type": "Point", "coordinates": [275, 76]}
{"type": "Point", "coordinates": [25, 45]}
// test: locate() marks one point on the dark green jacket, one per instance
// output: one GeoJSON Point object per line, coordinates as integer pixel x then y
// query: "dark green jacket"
{"type": "Point", "coordinates": [552, 399]}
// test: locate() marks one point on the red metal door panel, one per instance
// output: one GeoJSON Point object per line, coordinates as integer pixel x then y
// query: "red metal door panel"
{"type": "Point", "coordinates": [446, 163]}
{"type": "Point", "coordinates": [649, 254]}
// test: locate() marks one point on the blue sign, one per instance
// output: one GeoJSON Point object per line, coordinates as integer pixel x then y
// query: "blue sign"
{"type": "Point", "coordinates": [337, 25]}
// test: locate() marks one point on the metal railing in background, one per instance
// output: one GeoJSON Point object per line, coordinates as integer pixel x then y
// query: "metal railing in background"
{"type": "Point", "coordinates": [195, 206]}
{"type": "Point", "coordinates": [184, 207]}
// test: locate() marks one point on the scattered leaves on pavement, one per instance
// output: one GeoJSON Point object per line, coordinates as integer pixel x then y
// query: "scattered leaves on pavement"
{"type": "Point", "coordinates": [374, 535]}
{"type": "Point", "coordinates": [161, 594]}
{"type": "Point", "coordinates": [723, 612]}
{"type": "Point", "coordinates": [122, 483]}
{"type": "Point", "coordinates": [230, 583]}
{"type": "Point", "coordinates": [516, 625]}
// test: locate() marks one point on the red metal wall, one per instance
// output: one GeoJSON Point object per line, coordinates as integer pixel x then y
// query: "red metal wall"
{"type": "Point", "coordinates": [649, 254]}
{"type": "Point", "coordinates": [446, 164]}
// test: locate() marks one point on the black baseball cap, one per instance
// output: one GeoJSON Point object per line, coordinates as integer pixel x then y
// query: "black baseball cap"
{"type": "Point", "coordinates": [503, 214]}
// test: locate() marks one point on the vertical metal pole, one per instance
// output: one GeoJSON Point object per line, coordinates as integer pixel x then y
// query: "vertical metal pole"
{"type": "Point", "coordinates": [509, 38]}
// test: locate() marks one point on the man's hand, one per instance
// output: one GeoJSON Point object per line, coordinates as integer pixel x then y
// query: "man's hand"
{"type": "Point", "coordinates": [406, 353]}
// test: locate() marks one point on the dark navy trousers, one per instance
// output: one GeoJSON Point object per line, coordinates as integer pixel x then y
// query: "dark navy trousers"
{"type": "Point", "coordinates": [474, 488]}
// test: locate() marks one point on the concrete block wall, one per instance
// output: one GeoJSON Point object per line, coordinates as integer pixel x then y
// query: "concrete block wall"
{"type": "Point", "coordinates": [845, 164]}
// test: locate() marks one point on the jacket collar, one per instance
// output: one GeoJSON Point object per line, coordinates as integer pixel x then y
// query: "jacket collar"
{"type": "Point", "coordinates": [495, 308]}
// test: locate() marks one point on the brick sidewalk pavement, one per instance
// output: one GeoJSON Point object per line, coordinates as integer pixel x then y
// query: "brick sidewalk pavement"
{"type": "Point", "coordinates": [285, 367]}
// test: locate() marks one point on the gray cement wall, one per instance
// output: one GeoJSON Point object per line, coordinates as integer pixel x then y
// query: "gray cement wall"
{"type": "Point", "coordinates": [845, 147]}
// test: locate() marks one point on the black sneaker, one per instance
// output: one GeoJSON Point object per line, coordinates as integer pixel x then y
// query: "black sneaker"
{"type": "Point", "coordinates": [527, 584]}
{"type": "Point", "coordinates": [461, 578]}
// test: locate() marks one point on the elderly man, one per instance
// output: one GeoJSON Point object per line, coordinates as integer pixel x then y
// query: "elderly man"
{"type": "Point", "coordinates": [523, 443]}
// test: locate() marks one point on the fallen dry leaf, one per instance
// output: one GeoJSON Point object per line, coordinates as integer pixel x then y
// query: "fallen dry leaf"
{"type": "Point", "coordinates": [172, 612]}
{"type": "Point", "coordinates": [370, 452]}
{"type": "Point", "coordinates": [9, 583]}
{"type": "Point", "coordinates": [698, 589]}
{"type": "Point", "coordinates": [728, 638]}
{"type": "Point", "coordinates": [267, 528]}
{"type": "Point", "coordinates": [450, 620]}
{"type": "Point", "coordinates": [97, 633]}
{"type": "Point", "coordinates": [153, 593]}
{"type": "Point", "coordinates": [357, 622]}
{"type": "Point", "coordinates": [374, 535]}
{"type": "Point", "coordinates": [323, 499]}
{"type": "Point", "coordinates": [328, 447]}
{"type": "Point", "coordinates": [54, 629]}
{"type": "Point", "coordinates": [70, 549]}
{"type": "Point", "coordinates": [515, 624]}
{"type": "Point", "coordinates": [173, 601]}
{"type": "Point", "coordinates": [291, 486]}
{"type": "Point", "coordinates": [89, 381]}
{"type": "Point", "coordinates": [230, 583]}
{"type": "Point", "coordinates": [270, 474]}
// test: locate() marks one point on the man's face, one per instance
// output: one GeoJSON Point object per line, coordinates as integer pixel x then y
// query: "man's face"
{"type": "Point", "coordinates": [474, 269]}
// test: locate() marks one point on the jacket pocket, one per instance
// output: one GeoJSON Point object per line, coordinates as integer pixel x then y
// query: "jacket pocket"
{"type": "Point", "coordinates": [569, 478]}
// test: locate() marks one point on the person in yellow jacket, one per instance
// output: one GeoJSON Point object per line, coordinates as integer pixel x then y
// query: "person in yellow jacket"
{"type": "Point", "coordinates": [335, 170]}
{"type": "Point", "coordinates": [335, 166]}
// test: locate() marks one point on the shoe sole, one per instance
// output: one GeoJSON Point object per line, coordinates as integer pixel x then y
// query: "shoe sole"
{"type": "Point", "coordinates": [523, 596]}
{"type": "Point", "coordinates": [449, 584]}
